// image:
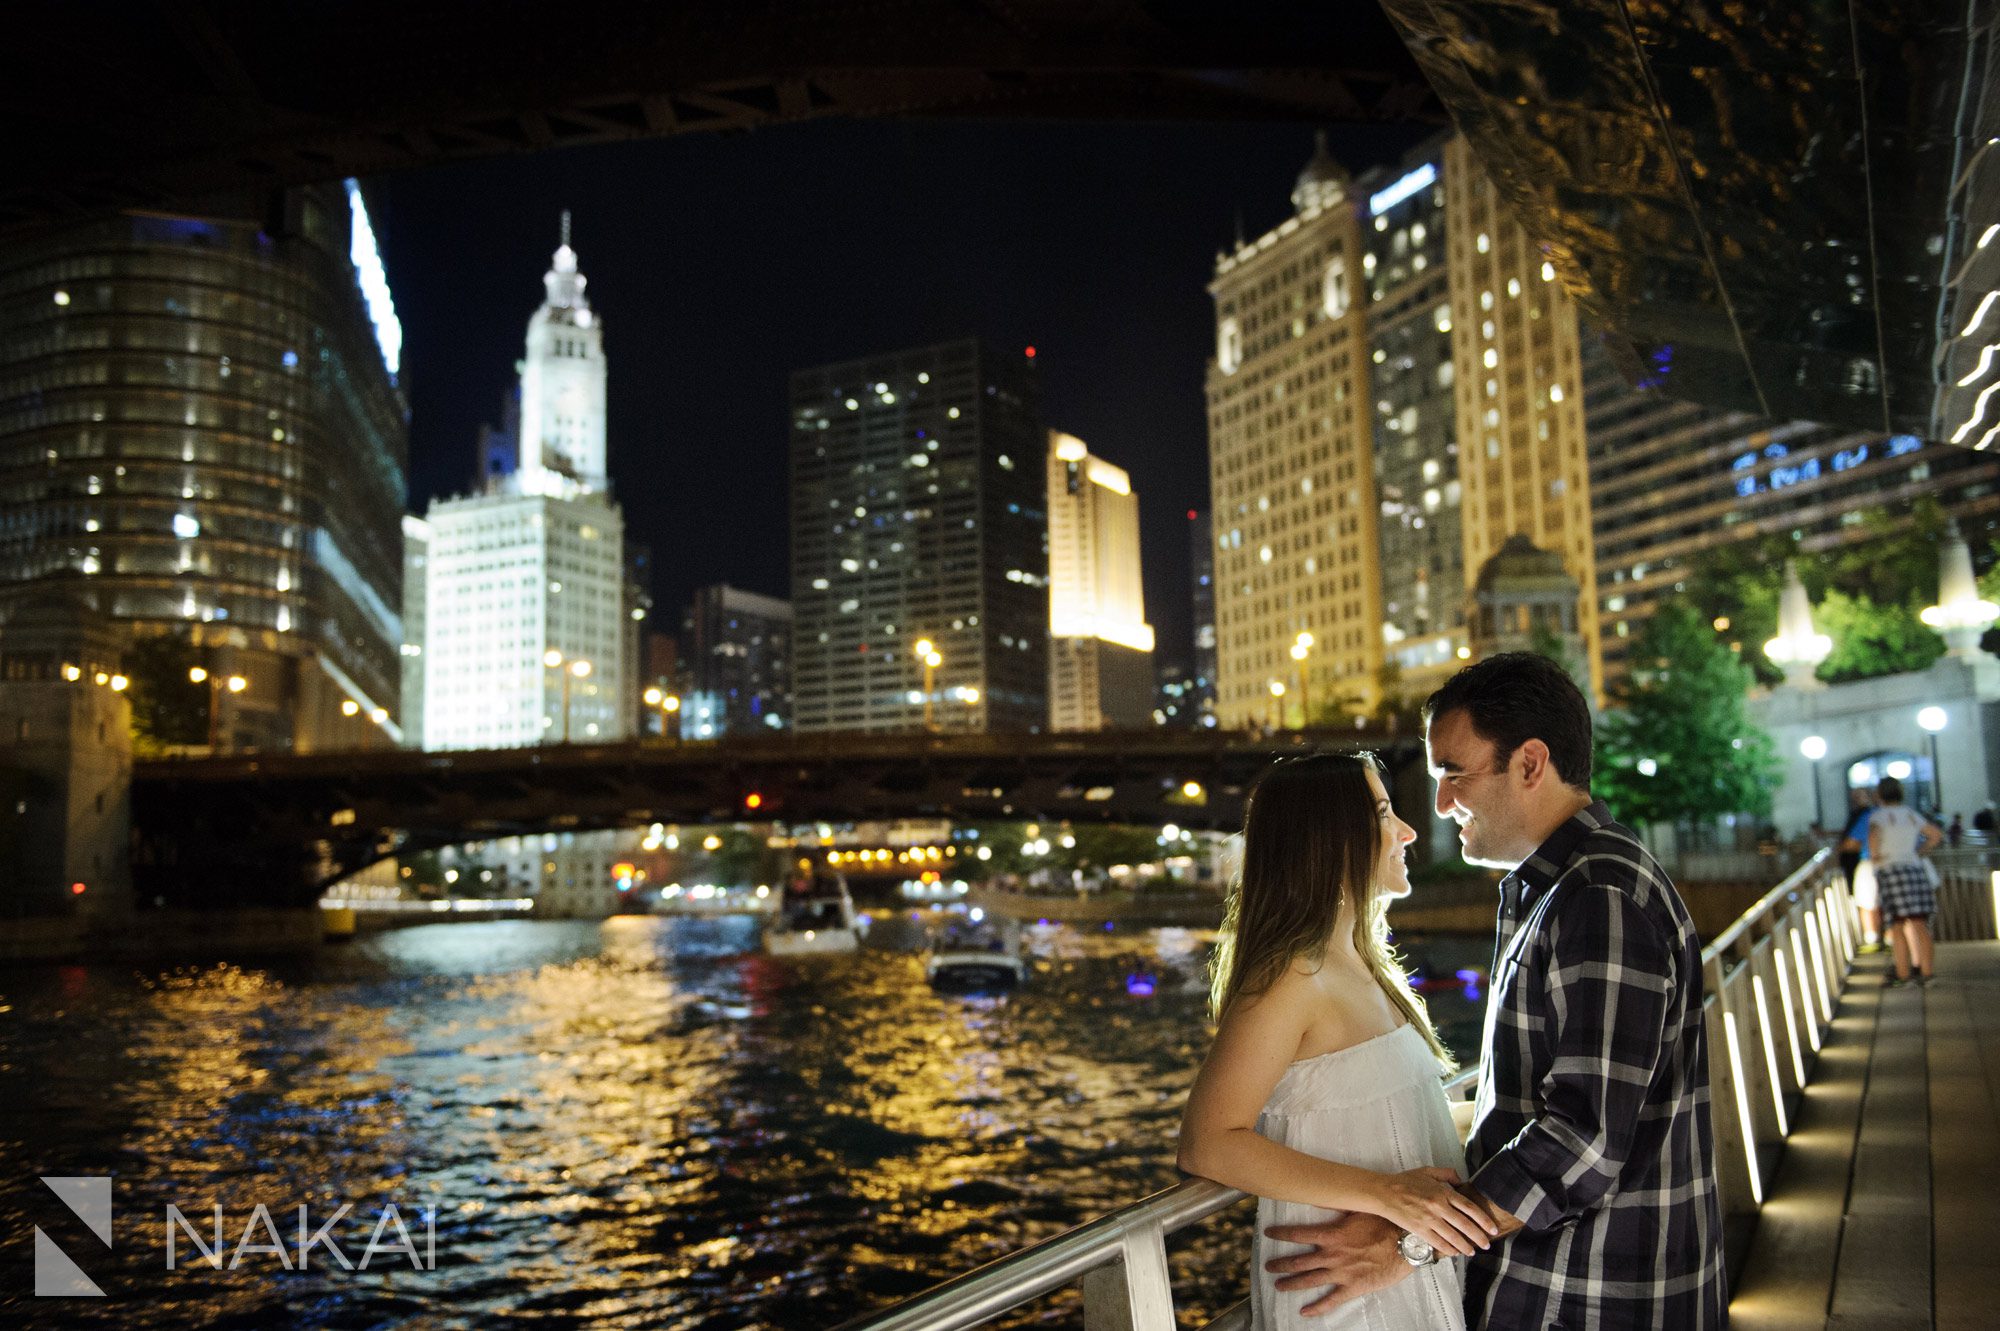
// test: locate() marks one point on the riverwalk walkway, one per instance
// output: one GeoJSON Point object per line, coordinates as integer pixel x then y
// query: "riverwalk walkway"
{"type": "Point", "coordinates": [1885, 1209]}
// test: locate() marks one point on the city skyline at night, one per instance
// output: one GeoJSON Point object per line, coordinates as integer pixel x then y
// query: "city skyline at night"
{"type": "Point", "coordinates": [724, 267]}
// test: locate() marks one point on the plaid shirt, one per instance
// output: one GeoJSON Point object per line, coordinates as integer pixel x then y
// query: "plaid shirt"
{"type": "Point", "coordinates": [1592, 1124]}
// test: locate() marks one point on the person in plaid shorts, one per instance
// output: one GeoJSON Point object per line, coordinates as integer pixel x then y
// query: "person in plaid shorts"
{"type": "Point", "coordinates": [1591, 1145]}
{"type": "Point", "coordinates": [1898, 839]}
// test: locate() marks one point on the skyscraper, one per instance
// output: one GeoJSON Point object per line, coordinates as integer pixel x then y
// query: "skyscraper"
{"type": "Point", "coordinates": [738, 661]}
{"type": "Point", "coordinates": [1367, 457]}
{"type": "Point", "coordinates": [1519, 381]}
{"type": "Point", "coordinates": [1100, 646]}
{"type": "Point", "coordinates": [527, 615]}
{"type": "Point", "coordinates": [1291, 463]}
{"type": "Point", "coordinates": [918, 515]}
{"type": "Point", "coordinates": [202, 437]}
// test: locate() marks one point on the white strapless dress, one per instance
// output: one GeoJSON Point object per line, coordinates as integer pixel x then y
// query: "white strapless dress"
{"type": "Point", "coordinates": [1379, 1105]}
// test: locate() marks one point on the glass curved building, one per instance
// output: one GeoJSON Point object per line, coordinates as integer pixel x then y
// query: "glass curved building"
{"type": "Point", "coordinates": [201, 433]}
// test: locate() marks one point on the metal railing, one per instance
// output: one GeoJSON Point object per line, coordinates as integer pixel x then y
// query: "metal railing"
{"type": "Point", "coordinates": [1968, 896]}
{"type": "Point", "coordinates": [1771, 981]}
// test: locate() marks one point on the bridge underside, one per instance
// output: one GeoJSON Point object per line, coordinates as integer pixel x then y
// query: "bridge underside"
{"type": "Point", "coordinates": [279, 830]}
{"type": "Point", "coordinates": [1776, 208]}
{"type": "Point", "coordinates": [171, 103]}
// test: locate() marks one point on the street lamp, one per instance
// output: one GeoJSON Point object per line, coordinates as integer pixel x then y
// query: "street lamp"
{"type": "Point", "coordinates": [216, 685]}
{"type": "Point", "coordinates": [1933, 719]}
{"type": "Point", "coordinates": [1302, 648]}
{"type": "Point", "coordinates": [670, 708]}
{"type": "Point", "coordinates": [1799, 647]}
{"type": "Point", "coordinates": [571, 670]}
{"type": "Point", "coordinates": [1813, 748]}
{"type": "Point", "coordinates": [928, 653]}
{"type": "Point", "coordinates": [1278, 704]}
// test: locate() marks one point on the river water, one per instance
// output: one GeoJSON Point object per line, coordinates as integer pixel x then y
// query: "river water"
{"type": "Point", "coordinates": [639, 1123]}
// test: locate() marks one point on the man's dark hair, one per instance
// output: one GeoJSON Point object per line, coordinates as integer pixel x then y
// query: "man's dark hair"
{"type": "Point", "coordinates": [1518, 696]}
{"type": "Point", "coordinates": [1889, 790]}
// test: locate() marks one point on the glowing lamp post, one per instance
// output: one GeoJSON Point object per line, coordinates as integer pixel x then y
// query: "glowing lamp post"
{"type": "Point", "coordinates": [928, 653]}
{"type": "Point", "coordinates": [1302, 648]}
{"type": "Point", "coordinates": [571, 670]}
{"type": "Point", "coordinates": [1813, 748]}
{"type": "Point", "coordinates": [1799, 647]}
{"type": "Point", "coordinates": [1933, 719]}
{"type": "Point", "coordinates": [217, 685]}
{"type": "Point", "coordinates": [670, 713]}
{"type": "Point", "coordinates": [1277, 704]}
{"type": "Point", "coordinates": [1960, 617]}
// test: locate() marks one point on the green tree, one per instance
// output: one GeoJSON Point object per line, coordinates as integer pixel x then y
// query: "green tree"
{"type": "Point", "coordinates": [1873, 638]}
{"type": "Point", "coordinates": [168, 710]}
{"type": "Point", "coordinates": [1682, 716]}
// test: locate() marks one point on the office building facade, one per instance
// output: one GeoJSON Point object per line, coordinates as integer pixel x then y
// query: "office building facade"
{"type": "Point", "coordinates": [1366, 464]}
{"type": "Point", "coordinates": [918, 513]}
{"type": "Point", "coordinates": [1291, 463]}
{"type": "Point", "coordinates": [201, 436]}
{"type": "Point", "coordinates": [738, 662]}
{"type": "Point", "coordinates": [1100, 645]}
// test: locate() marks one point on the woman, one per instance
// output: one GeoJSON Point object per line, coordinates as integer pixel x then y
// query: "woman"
{"type": "Point", "coordinates": [1898, 839]}
{"type": "Point", "coordinates": [1323, 1092]}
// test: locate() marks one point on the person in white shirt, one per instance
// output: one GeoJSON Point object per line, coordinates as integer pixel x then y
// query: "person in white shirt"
{"type": "Point", "coordinates": [1898, 839]}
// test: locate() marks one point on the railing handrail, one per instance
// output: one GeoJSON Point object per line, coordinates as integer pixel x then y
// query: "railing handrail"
{"type": "Point", "coordinates": [1007, 1282]}
{"type": "Point", "coordinates": [1791, 883]}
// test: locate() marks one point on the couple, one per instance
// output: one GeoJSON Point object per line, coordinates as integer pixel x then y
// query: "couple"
{"type": "Point", "coordinates": [1586, 1195]}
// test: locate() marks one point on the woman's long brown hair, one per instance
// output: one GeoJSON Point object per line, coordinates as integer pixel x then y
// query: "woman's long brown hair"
{"type": "Point", "coordinates": [1311, 837]}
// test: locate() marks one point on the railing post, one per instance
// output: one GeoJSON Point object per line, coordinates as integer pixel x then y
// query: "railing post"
{"type": "Point", "coordinates": [1733, 1164]}
{"type": "Point", "coordinates": [1134, 1292]}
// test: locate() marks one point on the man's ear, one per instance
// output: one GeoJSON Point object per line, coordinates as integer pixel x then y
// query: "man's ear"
{"type": "Point", "coordinates": [1533, 758]}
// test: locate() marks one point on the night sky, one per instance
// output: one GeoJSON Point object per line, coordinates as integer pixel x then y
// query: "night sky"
{"type": "Point", "coordinates": [720, 264]}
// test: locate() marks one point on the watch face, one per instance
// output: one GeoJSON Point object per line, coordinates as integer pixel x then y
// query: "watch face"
{"type": "Point", "coordinates": [1415, 1251]}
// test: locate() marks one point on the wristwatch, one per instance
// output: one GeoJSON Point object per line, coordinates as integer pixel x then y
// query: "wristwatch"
{"type": "Point", "coordinates": [1415, 1251]}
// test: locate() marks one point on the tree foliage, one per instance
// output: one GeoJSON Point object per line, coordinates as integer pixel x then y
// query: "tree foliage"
{"type": "Point", "coordinates": [168, 710]}
{"type": "Point", "coordinates": [1868, 595]}
{"type": "Point", "coordinates": [1682, 711]}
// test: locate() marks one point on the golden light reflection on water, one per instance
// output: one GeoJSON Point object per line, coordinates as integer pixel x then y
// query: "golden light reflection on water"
{"type": "Point", "coordinates": [644, 1123]}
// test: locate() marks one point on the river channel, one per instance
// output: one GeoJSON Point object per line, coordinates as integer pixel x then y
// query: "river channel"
{"type": "Point", "coordinates": [639, 1123]}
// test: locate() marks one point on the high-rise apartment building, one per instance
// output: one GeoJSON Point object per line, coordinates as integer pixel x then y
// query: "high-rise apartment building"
{"type": "Point", "coordinates": [738, 661]}
{"type": "Point", "coordinates": [1100, 646]}
{"type": "Point", "coordinates": [1672, 481]}
{"type": "Point", "coordinates": [918, 513]}
{"type": "Point", "coordinates": [1415, 379]}
{"type": "Point", "coordinates": [1522, 462]}
{"type": "Point", "coordinates": [1291, 461]}
{"type": "Point", "coordinates": [1374, 459]}
{"type": "Point", "coordinates": [202, 437]}
{"type": "Point", "coordinates": [528, 624]}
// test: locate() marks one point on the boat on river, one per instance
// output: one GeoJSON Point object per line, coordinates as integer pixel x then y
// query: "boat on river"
{"type": "Point", "coordinates": [975, 953]}
{"type": "Point", "coordinates": [819, 920]}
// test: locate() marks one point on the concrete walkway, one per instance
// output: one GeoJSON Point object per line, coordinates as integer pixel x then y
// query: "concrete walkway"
{"type": "Point", "coordinates": [1885, 1210]}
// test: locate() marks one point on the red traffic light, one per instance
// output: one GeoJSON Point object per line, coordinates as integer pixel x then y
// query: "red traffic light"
{"type": "Point", "coordinates": [77, 889]}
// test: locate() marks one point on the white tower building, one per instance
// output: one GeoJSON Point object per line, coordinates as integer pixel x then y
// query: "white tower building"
{"type": "Point", "coordinates": [522, 603]}
{"type": "Point", "coordinates": [562, 387]}
{"type": "Point", "coordinates": [1100, 646]}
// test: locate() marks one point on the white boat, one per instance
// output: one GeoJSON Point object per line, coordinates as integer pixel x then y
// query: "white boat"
{"type": "Point", "coordinates": [976, 953]}
{"type": "Point", "coordinates": [819, 923]}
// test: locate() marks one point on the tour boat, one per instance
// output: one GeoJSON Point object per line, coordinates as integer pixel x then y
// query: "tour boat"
{"type": "Point", "coordinates": [976, 953]}
{"type": "Point", "coordinates": [822, 922]}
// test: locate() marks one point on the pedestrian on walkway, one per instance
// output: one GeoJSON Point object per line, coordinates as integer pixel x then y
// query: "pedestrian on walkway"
{"type": "Point", "coordinates": [1898, 839]}
{"type": "Point", "coordinates": [1860, 873]}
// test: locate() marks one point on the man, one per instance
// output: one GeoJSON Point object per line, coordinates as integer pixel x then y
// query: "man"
{"type": "Point", "coordinates": [1591, 1146]}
